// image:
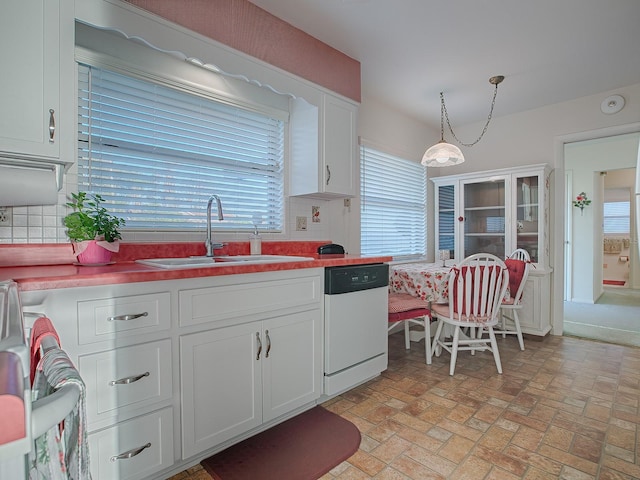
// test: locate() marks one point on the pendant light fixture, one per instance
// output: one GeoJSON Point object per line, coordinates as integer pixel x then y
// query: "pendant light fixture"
{"type": "Point", "coordinates": [444, 154]}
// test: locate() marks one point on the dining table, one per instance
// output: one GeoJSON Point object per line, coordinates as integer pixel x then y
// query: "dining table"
{"type": "Point", "coordinates": [427, 281]}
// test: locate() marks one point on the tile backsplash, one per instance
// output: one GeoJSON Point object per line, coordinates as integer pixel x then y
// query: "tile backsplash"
{"type": "Point", "coordinates": [35, 224]}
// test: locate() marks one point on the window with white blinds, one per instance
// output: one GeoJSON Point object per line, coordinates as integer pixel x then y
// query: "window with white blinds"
{"type": "Point", "coordinates": [156, 154]}
{"type": "Point", "coordinates": [616, 217]}
{"type": "Point", "coordinates": [393, 194]}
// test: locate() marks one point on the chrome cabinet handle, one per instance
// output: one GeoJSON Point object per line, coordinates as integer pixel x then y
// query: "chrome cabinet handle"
{"type": "Point", "coordinates": [266, 355]}
{"type": "Point", "coordinates": [126, 318]}
{"type": "Point", "coordinates": [52, 125]}
{"type": "Point", "coordinates": [128, 380]}
{"type": "Point", "coordinates": [259, 345]}
{"type": "Point", "coordinates": [130, 453]}
{"type": "Point", "coordinates": [328, 174]}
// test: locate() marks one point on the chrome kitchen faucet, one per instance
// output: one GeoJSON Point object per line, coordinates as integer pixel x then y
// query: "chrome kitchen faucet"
{"type": "Point", "coordinates": [209, 242]}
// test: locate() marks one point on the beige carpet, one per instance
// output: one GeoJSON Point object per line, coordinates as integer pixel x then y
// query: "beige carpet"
{"type": "Point", "coordinates": [614, 318]}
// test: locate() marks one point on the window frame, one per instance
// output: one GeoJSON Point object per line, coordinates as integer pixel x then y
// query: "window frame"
{"type": "Point", "coordinates": [144, 63]}
{"type": "Point", "coordinates": [384, 200]}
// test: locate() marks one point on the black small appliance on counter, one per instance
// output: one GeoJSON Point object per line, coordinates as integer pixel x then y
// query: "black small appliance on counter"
{"type": "Point", "coordinates": [331, 249]}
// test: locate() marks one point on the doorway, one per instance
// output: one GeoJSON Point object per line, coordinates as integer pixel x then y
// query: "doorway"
{"type": "Point", "coordinates": [619, 258]}
{"type": "Point", "coordinates": [604, 168]}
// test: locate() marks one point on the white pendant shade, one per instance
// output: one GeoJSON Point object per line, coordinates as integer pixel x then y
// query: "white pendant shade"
{"type": "Point", "coordinates": [442, 154]}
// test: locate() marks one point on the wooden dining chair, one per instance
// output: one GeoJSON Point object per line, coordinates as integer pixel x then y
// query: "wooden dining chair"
{"type": "Point", "coordinates": [411, 310]}
{"type": "Point", "coordinates": [518, 265]}
{"type": "Point", "coordinates": [520, 254]}
{"type": "Point", "coordinates": [476, 288]}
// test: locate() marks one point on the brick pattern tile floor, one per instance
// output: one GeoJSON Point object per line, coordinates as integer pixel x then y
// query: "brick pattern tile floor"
{"type": "Point", "coordinates": [565, 408]}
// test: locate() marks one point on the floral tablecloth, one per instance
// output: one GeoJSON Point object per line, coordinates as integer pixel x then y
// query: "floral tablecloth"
{"type": "Point", "coordinates": [428, 281]}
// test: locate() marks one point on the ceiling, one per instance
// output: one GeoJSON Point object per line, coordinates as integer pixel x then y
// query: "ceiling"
{"type": "Point", "coordinates": [550, 51]}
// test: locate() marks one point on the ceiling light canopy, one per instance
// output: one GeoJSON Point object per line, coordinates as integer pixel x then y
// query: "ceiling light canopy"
{"type": "Point", "coordinates": [444, 154]}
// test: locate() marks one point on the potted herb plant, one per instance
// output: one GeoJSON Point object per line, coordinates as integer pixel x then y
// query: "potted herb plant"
{"type": "Point", "coordinates": [93, 231]}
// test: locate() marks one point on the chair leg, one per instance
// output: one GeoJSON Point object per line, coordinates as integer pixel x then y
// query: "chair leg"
{"type": "Point", "coordinates": [516, 321]}
{"type": "Point", "coordinates": [435, 347]}
{"type": "Point", "coordinates": [503, 323]}
{"type": "Point", "coordinates": [427, 339]}
{"type": "Point", "coordinates": [494, 348]}
{"type": "Point", "coordinates": [407, 339]}
{"type": "Point", "coordinates": [454, 349]}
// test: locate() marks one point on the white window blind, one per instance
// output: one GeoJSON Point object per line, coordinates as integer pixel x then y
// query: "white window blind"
{"type": "Point", "coordinates": [394, 200]}
{"type": "Point", "coordinates": [616, 217]}
{"type": "Point", "coordinates": [156, 154]}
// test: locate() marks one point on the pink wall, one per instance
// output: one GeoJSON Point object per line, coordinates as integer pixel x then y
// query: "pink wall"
{"type": "Point", "coordinates": [245, 27]}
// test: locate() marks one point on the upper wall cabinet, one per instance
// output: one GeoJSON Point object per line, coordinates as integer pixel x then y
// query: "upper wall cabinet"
{"type": "Point", "coordinates": [494, 212]}
{"type": "Point", "coordinates": [323, 148]}
{"type": "Point", "coordinates": [30, 80]}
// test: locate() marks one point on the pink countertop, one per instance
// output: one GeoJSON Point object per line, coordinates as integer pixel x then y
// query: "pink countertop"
{"type": "Point", "coordinates": [48, 266]}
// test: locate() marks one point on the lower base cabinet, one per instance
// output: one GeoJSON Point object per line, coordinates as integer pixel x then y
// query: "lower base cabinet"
{"type": "Point", "coordinates": [133, 449]}
{"type": "Point", "coordinates": [236, 378]}
{"type": "Point", "coordinates": [246, 351]}
{"type": "Point", "coordinates": [535, 316]}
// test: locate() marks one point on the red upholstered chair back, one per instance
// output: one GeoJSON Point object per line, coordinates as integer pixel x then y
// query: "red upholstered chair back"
{"type": "Point", "coordinates": [518, 273]}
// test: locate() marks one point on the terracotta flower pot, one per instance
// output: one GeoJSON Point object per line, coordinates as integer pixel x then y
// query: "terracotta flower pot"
{"type": "Point", "coordinates": [93, 254]}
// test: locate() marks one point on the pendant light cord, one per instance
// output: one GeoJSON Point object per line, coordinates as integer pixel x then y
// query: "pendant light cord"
{"type": "Point", "coordinates": [443, 108]}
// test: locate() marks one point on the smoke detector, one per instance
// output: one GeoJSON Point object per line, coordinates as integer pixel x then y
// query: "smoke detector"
{"type": "Point", "coordinates": [612, 104]}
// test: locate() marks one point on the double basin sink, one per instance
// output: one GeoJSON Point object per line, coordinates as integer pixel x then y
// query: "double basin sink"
{"type": "Point", "coordinates": [218, 261]}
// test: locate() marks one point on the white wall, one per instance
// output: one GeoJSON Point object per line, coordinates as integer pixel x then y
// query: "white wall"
{"type": "Point", "coordinates": [393, 132]}
{"type": "Point", "coordinates": [585, 160]}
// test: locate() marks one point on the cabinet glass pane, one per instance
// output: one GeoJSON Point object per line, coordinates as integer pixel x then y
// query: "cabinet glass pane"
{"type": "Point", "coordinates": [484, 213]}
{"type": "Point", "coordinates": [446, 219]}
{"type": "Point", "coordinates": [527, 215]}
{"type": "Point", "coordinates": [484, 194]}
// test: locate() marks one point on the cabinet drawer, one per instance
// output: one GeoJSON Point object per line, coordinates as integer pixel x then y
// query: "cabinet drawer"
{"type": "Point", "coordinates": [151, 435]}
{"type": "Point", "coordinates": [108, 318]}
{"type": "Point", "coordinates": [226, 302]}
{"type": "Point", "coordinates": [122, 380]}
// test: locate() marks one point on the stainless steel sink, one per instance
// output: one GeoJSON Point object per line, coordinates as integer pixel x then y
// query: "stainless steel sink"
{"type": "Point", "coordinates": [201, 262]}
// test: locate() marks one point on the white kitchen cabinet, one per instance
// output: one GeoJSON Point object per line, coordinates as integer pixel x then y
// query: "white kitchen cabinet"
{"type": "Point", "coordinates": [267, 369]}
{"type": "Point", "coordinates": [324, 148]}
{"type": "Point", "coordinates": [30, 80]}
{"type": "Point", "coordinates": [267, 345]}
{"type": "Point", "coordinates": [219, 403]}
{"type": "Point", "coordinates": [497, 211]}
{"type": "Point", "coordinates": [133, 449]}
{"type": "Point", "coordinates": [119, 338]}
{"type": "Point", "coordinates": [535, 316]}
{"type": "Point", "coordinates": [107, 319]}
{"type": "Point", "coordinates": [126, 379]}
{"type": "Point", "coordinates": [135, 343]}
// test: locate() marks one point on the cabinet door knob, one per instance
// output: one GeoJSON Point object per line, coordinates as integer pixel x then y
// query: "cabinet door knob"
{"type": "Point", "coordinates": [259, 345]}
{"type": "Point", "coordinates": [461, 219]}
{"type": "Point", "coordinates": [52, 125]}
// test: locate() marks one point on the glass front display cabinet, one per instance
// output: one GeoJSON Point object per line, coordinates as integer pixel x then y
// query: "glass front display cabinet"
{"type": "Point", "coordinates": [493, 212]}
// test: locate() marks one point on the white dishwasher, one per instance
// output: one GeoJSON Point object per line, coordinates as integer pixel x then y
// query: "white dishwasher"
{"type": "Point", "coordinates": [355, 305]}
